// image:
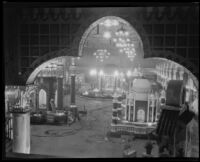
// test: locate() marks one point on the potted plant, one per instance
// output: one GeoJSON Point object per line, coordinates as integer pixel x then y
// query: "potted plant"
{"type": "Point", "coordinates": [148, 147]}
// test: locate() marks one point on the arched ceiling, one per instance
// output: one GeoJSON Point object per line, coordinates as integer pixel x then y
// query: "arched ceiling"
{"type": "Point", "coordinates": [93, 39]}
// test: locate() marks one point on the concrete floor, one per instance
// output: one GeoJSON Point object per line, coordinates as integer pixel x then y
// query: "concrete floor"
{"type": "Point", "coordinates": [86, 138]}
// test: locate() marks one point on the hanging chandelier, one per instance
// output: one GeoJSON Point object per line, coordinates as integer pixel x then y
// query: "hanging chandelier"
{"type": "Point", "coordinates": [124, 43]}
{"type": "Point", "coordinates": [101, 54]}
{"type": "Point", "coordinates": [122, 32]}
{"type": "Point", "coordinates": [125, 47]}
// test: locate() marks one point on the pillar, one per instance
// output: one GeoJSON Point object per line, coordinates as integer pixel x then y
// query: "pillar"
{"type": "Point", "coordinates": [37, 99]}
{"type": "Point", "coordinates": [99, 81]}
{"type": "Point", "coordinates": [177, 75]}
{"type": "Point", "coordinates": [129, 115]}
{"type": "Point", "coordinates": [153, 109]}
{"type": "Point", "coordinates": [51, 91]}
{"type": "Point", "coordinates": [134, 116]}
{"type": "Point", "coordinates": [174, 74]}
{"type": "Point", "coordinates": [60, 93]}
{"type": "Point", "coordinates": [115, 86]}
{"type": "Point", "coordinates": [148, 108]}
{"type": "Point", "coordinates": [156, 108]}
{"type": "Point", "coordinates": [21, 132]}
{"type": "Point", "coordinates": [181, 72]}
{"type": "Point", "coordinates": [73, 97]}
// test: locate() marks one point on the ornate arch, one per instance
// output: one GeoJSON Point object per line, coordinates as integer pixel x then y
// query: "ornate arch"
{"type": "Point", "coordinates": [85, 27]}
{"type": "Point", "coordinates": [41, 62]}
{"type": "Point", "coordinates": [74, 50]}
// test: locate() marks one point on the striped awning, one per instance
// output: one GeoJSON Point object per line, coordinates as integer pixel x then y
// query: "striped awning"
{"type": "Point", "coordinates": [167, 123]}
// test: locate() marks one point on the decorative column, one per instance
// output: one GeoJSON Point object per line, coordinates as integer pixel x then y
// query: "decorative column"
{"type": "Point", "coordinates": [115, 86]}
{"type": "Point", "coordinates": [73, 77]}
{"type": "Point", "coordinates": [21, 127]}
{"type": "Point", "coordinates": [165, 76]}
{"type": "Point", "coordinates": [162, 76]}
{"type": "Point", "coordinates": [159, 73]}
{"type": "Point", "coordinates": [60, 93]}
{"type": "Point", "coordinates": [174, 73]}
{"type": "Point", "coordinates": [73, 98]}
{"type": "Point", "coordinates": [100, 82]}
{"type": "Point", "coordinates": [134, 115]}
{"type": "Point", "coordinates": [170, 72]}
{"type": "Point", "coordinates": [127, 107]}
{"type": "Point", "coordinates": [177, 74]}
{"type": "Point", "coordinates": [156, 102]}
{"type": "Point", "coordinates": [156, 106]}
{"type": "Point", "coordinates": [148, 108]}
{"type": "Point", "coordinates": [51, 91]}
{"type": "Point", "coordinates": [129, 103]}
{"type": "Point", "coordinates": [37, 99]}
{"type": "Point", "coordinates": [181, 72]}
{"type": "Point", "coordinates": [153, 109]}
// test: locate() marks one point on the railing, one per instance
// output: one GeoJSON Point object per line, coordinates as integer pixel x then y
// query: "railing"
{"type": "Point", "coordinates": [9, 128]}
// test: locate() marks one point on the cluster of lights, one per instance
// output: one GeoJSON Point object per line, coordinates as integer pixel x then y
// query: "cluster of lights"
{"type": "Point", "coordinates": [125, 46]}
{"type": "Point", "coordinates": [95, 72]}
{"type": "Point", "coordinates": [107, 35]}
{"type": "Point", "coordinates": [101, 54]}
{"type": "Point", "coordinates": [109, 23]}
{"type": "Point", "coordinates": [129, 73]}
{"type": "Point", "coordinates": [122, 33]}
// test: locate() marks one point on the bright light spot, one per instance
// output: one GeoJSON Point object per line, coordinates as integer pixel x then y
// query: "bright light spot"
{"type": "Point", "coordinates": [116, 73]}
{"type": "Point", "coordinates": [132, 45]}
{"type": "Point", "coordinates": [115, 23]}
{"type": "Point", "coordinates": [114, 40]}
{"type": "Point", "coordinates": [93, 72]}
{"type": "Point", "coordinates": [149, 124]}
{"type": "Point", "coordinates": [126, 33]}
{"type": "Point", "coordinates": [128, 73]}
{"type": "Point", "coordinates": [101, 73]}
{"type": "Point", "coordinates": [108, 23]}
{"type": "Point", "coordinates": [107, 35]}
{"type": "Point", "coordinates": [96, 90]}
{"type": "Point", "coordinates": [85, 93]}
{"type": "Point", "coordinates": [121, 50]}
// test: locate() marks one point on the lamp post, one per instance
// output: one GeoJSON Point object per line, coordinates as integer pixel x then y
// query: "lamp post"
{"type": "Point", "coordinates": [73, 76]}
{"type": "Point", "coordinates": [93, 72]}
{"type": "Point", "coordinates": [129, 74]}
{"type": "Point", "coordinates": [101, 73]}
{"type": "Point", "coordinates": [116, 74]}
{"type": "Point", "coordinates": [60, 87]}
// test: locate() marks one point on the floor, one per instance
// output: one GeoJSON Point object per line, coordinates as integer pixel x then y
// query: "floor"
{"type": "Point", "coordinates": [86, 138]}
